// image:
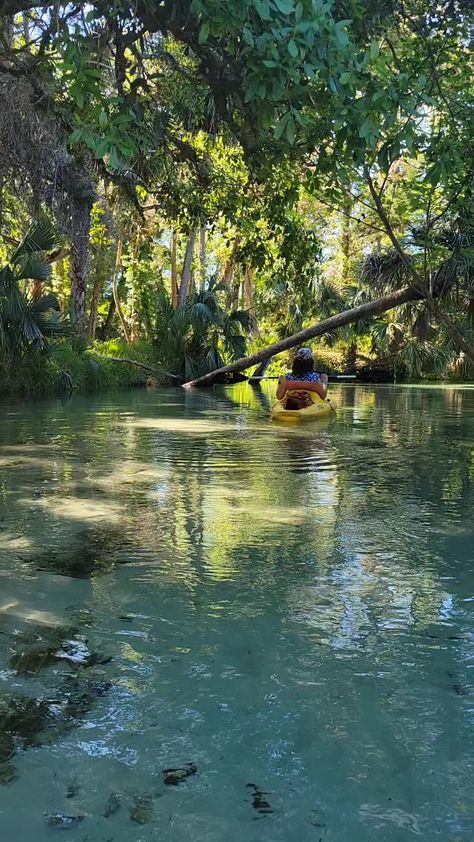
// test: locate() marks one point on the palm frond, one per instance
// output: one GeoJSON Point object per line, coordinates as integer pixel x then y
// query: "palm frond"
{"type": "Point", "coordinates": [13, 306]}
{"type": "Point", "coordinates": [384, 271]}
{"type": "Point", "coordinates": [237, 345]}
{"type": "Point", "coordinates": [30, 332]}
{"type": "Point", "coordinates": [33, 267]}
{"type": "Point", "coordinates": [213, 359]}
{"type": "Point", "coordinates": [53, 325]}
{"type": "Point", "coordinates": [190, 371]}
{"type": "Point", "coordinates": [330, 298]}
{"type": "Point", "coordinates": [40, 237]}
{"type": "Point", "coordinates": [43, 302]}
{"type": "Point", "coordinates": [242, 317]}
{"type": "Point", "coordinates": [419, 357]}
{"type": "Point", "coordinates": [7, 281]}
{"type": "Point", "coordinates": [200, 312]}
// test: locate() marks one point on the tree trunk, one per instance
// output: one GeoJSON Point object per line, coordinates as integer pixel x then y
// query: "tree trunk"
{"type": "Point", "coordinates": [355, 314]}
{"type": "Point", "coordinates": [228, 280]}
{"type": "Point", "coordinates": [118, 261]}
{"type": "Point", "coordinates": [229, 273]}
{"type": "Point", "coordinates": [26, 28]}
{"type": "Point", "coordinates": [96, 291]}
{"type": "Point", "coordinates": [248, 288]}
{"type": "Point", "coordinates": [105, 327]}
{"type": "Point", "coordinates": [202, 256]}
{"type": "Point", "coordinates": [80, 227]}
{"type": "Point", "coordinates": [346, 242]}
{"type": "Point", "coordinates": [134, 320]}
{"type": "Point", "coordinates": [174, 269]}
{"type": "Point", "coordinates": [188, 262]}
{"type": "Point", "coordinates": [248, 300]}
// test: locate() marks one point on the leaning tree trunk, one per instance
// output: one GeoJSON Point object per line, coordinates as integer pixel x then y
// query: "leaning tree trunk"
{"type": "Point", "coordinates": [355, 314]}
{"type": "Point", "coordinates": [188, 262]}
{"type": "Point", "coordinates": [80, 228]}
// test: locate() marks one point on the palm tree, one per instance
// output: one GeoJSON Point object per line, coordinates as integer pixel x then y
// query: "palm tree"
{"type": "Point", "coordinates": [28, 314]}
{"type": "Point", "coordinates": [199, 335]}
{"type": "Point", "coordinates": [414, 338]}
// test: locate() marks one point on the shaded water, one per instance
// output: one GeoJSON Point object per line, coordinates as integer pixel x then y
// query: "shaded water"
{"type": "Point", "coordinates": [290, 611]}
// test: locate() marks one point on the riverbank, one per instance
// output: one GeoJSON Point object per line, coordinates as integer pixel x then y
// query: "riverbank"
{"type": "Point", "coordinates": [66, 368]}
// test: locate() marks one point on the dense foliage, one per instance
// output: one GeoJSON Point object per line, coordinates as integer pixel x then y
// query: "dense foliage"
{"type": "Point", "coordinates": [223, 172]}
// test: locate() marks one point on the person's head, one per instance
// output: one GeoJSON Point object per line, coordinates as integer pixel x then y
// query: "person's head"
{"type": "Point", "coordinates": [303, 362]}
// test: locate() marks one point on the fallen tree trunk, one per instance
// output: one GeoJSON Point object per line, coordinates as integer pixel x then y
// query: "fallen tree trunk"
{"type": "Point", "coordinates": [156, 371]}
{"type": "Point", "coordinates": [355, 314]}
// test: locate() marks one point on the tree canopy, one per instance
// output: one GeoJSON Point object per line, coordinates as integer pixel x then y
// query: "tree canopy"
{"type": "Point", "coordinates": [292, 158]}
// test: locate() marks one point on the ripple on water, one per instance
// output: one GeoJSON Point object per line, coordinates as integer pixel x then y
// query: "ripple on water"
{"type": "Point", "coordinates": [286, 610]}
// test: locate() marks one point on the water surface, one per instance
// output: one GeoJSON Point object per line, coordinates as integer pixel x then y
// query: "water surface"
{"type": "Point", "coordinates": [290, 611]}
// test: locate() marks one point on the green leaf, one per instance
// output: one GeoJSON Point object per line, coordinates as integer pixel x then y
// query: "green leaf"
{"type": "Point", "coordinates": [395, 151]}
{"type": "Point", "coordinates": [263, 9]}
{"type": "Point", "coordinates": [332, 85]}
{"type": "Point", "coordinates": [374, 50]}
{"type": "Point", "coordinates": [281, 126]}
{"type": "Point", "coordinates": [75, 137]}
{"type": "Point", "coordinates": [80, 100]}
{"type": "Point", "coordinates": [102, 148]}
{"type": "Point", "coordinates": [123, 120]}
{"type": "Point", "coordinates": [309, 69]}
{"type": "Point", "coordinates": [290, 130]}
{"type": "Point", "coordinates": [90, 140]}
{"type": "Point", "coordinates": [345, 77]}
{"type": "Point", "coordinates": [269, 63]}
{"type": "Point", "coordinates": [433, 174]}
{"type": "Point", "coordinates": [115, 162]}
{"type": "Point", "coordinates": [299, 12]}
{"type": "Point", "coordinates": [383, 159]}
{"type": "Point", "coordinates": [204, 33]}
{"type": "Point", "coordinates": [284, 6]}
{"type": "Point", "coordinates": [247, 35]}
{"type": "Point", "coordinates": [103, 119]}
{"type": "Point", "coordinates": [341, 34]}
{"type": "Point", "coordinates": [127, 149]}
{"type": "Point", "coordinates": [293, 48]}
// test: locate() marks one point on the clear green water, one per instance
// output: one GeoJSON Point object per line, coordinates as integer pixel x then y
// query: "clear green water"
{"type": "Point", "coordinates": [288, 608]}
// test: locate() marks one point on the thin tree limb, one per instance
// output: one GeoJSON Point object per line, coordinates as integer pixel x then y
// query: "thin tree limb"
{"type": "Point", "coordinates": [157, 371]}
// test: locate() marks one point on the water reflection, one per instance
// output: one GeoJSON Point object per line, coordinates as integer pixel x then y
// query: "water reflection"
{"type": "Point", "coordinates": [284, 607]}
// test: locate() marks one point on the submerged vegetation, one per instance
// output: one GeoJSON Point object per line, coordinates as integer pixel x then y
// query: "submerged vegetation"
{"type": "Point", "coordinates": [206, 179]}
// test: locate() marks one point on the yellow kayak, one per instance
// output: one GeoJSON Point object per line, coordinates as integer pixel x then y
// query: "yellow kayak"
{"type": "Point", "coordinates": [319, 408]}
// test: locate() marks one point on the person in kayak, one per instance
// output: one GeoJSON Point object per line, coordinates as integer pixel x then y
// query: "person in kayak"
{"type": "Point", "coordinates": [301, 380]}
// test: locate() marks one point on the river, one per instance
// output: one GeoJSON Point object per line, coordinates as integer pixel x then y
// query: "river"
{"type": "Point", "coordinates": [213, 627]}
